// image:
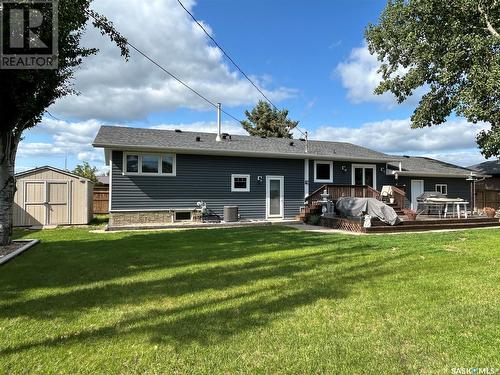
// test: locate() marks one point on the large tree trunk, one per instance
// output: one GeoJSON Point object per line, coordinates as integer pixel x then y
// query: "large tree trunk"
{"type": "Point", "coordinates": [8, 147]}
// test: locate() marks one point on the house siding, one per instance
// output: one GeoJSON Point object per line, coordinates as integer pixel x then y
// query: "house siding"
{"type": "Point", "coordinates": [457, 187]}
{"type": "Point", "coordinates": [208, 178]}
{"type": "Point", "coordinates": [345, 178]}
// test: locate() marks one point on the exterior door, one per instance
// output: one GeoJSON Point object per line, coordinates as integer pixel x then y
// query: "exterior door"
{"type": "Point", "coordinates": [57, 203]}
{"type": "Point", "coordinates": [35, 203]}
{"type": "Point", "coordinates": [275, 197]}
{"type": "Point", "coordinates": [417, 188]}
{"type": "Point", "coordinates": [364, 174]}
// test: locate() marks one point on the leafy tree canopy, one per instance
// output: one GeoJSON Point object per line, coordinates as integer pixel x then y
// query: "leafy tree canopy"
{"type": "Point", "coordinates": [86, 171]}
{"type": "Point", "coordinates": [451, 48]}
{"type": "Point", "coordinates": [26, 94]}
{"type": "Point", "coordinates": [265, 121]}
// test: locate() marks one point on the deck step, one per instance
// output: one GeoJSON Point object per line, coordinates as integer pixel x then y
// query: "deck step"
{"type": "Point", "coordinates": [424, 227]}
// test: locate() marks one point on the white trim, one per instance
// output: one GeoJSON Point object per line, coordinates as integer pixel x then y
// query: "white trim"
{"type": "Point", "coordinates": [413, 198]}
{"type": "Point", "coordinates": [364, 166]}
{"type": "Point", "coordinates": [430, 174]}
{"type": "Point", "coordinates": [306, 178]}
{"type": "Point", "coordinates": [110, 189]}
{"type": "Point", "coordinates": [441, 191]}
{"type": "Point", "coordinates": [139, 164]}
{"type": "Point", "coordinates": [240, 190]}
{"type": "Point", "coordinates": [282, 197]}
{"type": "Point", "coordinates": [331, 170]}
{"type": "Point", "coordinates": [157, 209]}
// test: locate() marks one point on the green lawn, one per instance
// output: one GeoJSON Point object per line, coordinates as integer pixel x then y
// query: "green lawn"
{"type": "Point", "coordinates": [250, 300]}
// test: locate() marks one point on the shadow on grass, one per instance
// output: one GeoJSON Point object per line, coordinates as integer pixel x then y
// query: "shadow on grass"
{"type": "Point", "coordinates": [263, 274]}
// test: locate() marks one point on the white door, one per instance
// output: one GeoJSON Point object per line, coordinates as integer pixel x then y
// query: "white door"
{"type": "Point", "coordinates": [417, 188]}
{"type": "Point", "coordinates": [364, 174]}
{"type": "Point", "coordinates": [275, 200]}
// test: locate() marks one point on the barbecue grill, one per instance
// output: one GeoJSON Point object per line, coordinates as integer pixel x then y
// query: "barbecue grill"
{"type": "Point", "coordinates": [434, 202]}
{"type": "Point", "coordinates": [425, 204]}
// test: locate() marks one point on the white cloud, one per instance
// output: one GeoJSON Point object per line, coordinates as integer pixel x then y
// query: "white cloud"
{"type": "Point", "coordinates": [359, 75]}
{"type": "Point", "coordinates": [113, 89]}
{"type": "Point", "coordinates": [72, 139]}
{"type": "Point", "coordinates": [396, 136]}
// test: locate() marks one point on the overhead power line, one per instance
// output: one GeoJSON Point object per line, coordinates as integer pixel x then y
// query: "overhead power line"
{"type": "Point", "coordinates": [226, 54]}
{"type": "Point", "coordinates": [304, 133]}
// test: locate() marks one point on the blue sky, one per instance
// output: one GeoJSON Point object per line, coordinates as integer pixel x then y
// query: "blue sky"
{"type": "Point", "coordinates": [309, 57]}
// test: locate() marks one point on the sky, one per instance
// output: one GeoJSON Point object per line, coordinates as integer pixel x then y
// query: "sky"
{"type": "Point", "coordinates": [308, 57]}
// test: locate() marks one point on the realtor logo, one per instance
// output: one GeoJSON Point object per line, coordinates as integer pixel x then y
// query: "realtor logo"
{"type": "Point", "coordinates": [29, 34]}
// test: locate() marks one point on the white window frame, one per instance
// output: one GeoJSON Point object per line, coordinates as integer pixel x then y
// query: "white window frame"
{"type": "Point", "coordinates": [441, 188]}
{"type": "Point", "coordinates": [139, 167]}
{"type": "Point", "coordinates": [316, 162]}
{"type": "Point", "coordinates": [183, 211]}
{"type": "Point", "coordinates": [240, 190]}
{"type": "Point", "coordinates": [364, 166]}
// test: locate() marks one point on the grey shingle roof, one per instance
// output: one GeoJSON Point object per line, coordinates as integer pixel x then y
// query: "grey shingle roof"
{"type": "Point", "coordinates": [140, 138]}
{"type": "Point", "coordinates": [417, 165]}
{"type": "Point", "coordinates": [136, 138]}
{"type": "Point", "coordinates": [491, 167]}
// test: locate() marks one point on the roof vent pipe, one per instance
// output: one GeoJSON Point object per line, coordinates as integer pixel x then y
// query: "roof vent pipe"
{"type": "Point", "coordinates": [219, 125]}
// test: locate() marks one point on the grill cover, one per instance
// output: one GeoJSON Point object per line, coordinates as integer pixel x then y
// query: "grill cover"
{"type": "Point", "coordinates": [430, 194]}
{"type": "Point", "coordinates": [349, 206]}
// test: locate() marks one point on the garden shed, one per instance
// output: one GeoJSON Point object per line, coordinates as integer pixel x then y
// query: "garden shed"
{"type": "Point", "coordinates": [51, 196]}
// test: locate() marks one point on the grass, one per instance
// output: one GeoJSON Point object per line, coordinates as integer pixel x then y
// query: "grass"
{"type": "Point", "coordinates": [250, 300]}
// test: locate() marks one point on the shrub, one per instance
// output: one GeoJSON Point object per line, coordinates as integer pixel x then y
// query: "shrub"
{"type": "Point", "coordinates": [313, 220]}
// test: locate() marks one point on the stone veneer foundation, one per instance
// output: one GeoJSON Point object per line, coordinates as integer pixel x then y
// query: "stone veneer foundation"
{"type": "Point", "coordinates": [147, 218]}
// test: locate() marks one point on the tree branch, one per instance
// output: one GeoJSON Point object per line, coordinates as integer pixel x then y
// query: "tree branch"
{"type": "Point", "coordinates": [489, 26]}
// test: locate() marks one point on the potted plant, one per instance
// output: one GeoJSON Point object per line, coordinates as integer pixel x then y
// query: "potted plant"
{"type": "Point", "coordinates": [410, 214]}
{"type": "Point", "coordinates": [490, 212]}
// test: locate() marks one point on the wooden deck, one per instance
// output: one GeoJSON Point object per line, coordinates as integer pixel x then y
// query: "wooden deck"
{"type": "Point", "coordinates": [356, 225]}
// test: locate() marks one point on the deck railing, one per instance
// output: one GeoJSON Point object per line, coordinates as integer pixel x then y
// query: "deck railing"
{"type": "Point", "coordinates": [338, 191]}
{"type": "Point", "coordinates": [399, 197]}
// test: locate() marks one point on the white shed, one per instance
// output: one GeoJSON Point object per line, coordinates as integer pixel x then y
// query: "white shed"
{"type": "Point", "coordinates": [51, 196]}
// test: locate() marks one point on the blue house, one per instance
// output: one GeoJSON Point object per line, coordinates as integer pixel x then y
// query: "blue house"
{"type": "Point", "coordinates": [158, 176]}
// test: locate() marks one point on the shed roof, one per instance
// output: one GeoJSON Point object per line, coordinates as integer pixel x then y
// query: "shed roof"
{"type": "Point", "coordinates": [48, 167]}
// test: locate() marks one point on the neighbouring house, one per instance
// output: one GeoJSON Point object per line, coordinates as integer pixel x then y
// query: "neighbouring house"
{"type": "Point", "coordinates": [158, 176]}
{"type": "Point", "coordinates": [488, 190]}
{"type": "Point", "coordinates": [51, 196]}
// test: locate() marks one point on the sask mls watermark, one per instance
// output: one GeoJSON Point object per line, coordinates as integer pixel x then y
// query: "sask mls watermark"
{"type": "Point", "coordinates": [29, 34]}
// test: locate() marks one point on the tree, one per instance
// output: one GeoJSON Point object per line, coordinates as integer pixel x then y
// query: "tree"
{"type": "Point", "coordinates": [265, 121]}
{"type": "Point", "coordinates": [25, 94]}
{"type": "Point", "coordinates": [86, 171]}
{"type": "Point", "coordinates": [450, 48]}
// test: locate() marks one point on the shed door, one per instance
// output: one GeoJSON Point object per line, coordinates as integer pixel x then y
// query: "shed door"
{"type": "Point", "coordinates": [35, 203]}
{"type": "Point", "coordinates": [58, 205]}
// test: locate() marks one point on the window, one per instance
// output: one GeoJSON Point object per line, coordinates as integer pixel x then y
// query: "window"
{"type": "Point", "coordinates": [183, 215]}
{"type": "Point", "coordinates": [149, 164]}
{"type": "Point", "coordinates": [323, 171]}
{"type": "Point", "coordinates": [132, 163]}
{"type": "Point", "coordinates": [442, 188]}
{"type": "Point", "coordinates": [167, 164]}
{"type": "Point", "coordinates": [240, 183]}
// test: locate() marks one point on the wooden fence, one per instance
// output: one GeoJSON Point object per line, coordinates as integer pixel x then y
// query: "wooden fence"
{"type": "Point", "coordinates": [487, 198]}
{"type": "Point", "coordinates": [101, 202]}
